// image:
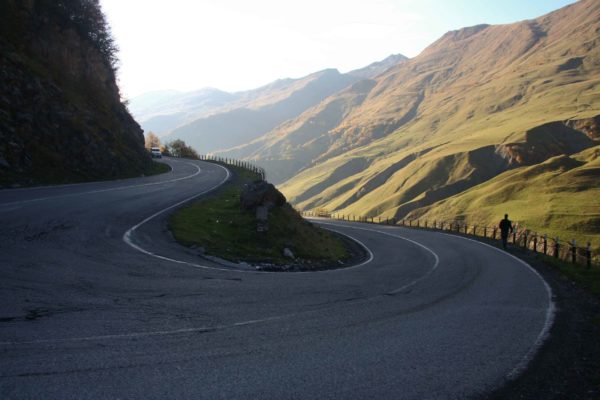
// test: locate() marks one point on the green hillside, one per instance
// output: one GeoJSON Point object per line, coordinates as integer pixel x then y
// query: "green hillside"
{"type": "Point", "coordinates": [559, 197]}
{"type": "Point", "coordinates": [479, 103]}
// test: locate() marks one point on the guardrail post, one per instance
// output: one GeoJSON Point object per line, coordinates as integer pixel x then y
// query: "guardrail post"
{"type": "Point", "coordinates": [535, 243]}
{"type": "Point", "coordinates": [545, 244]}
{"type": "Point", "coordinates": [442, 225]}
{"type": "Point", "coordinates": [588, 255]}
{"type": "Point", "coordinates": [556, 247]}
{"type": "Point", "coordinates": [425, 224]}
{"type": "Point", "coordinates": [466, 228]}
{"type": "Point", "coordinates": [573, 251]}
{"type": "Point", "coordinates": [474, 230]}
{"type": "Point", "coordinates": [418, 223]}
{"type": "Point", "coordinates": [485, 232]}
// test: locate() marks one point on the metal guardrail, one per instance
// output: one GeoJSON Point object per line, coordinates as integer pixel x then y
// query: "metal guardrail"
{"type": "Point", "coordinates": [520, 236]}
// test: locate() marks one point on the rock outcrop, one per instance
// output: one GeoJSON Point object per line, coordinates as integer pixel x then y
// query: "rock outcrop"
{"type": "Point", "coordinates": [261, 194]}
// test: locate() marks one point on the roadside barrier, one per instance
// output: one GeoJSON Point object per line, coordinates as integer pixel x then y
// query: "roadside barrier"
{"type": "Point", "coordinates": [236, 163]}
{"type": "Point", "coordinates": [520, 237]}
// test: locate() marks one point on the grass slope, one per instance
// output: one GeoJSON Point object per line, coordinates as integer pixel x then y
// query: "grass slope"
{"type": "Point", "coordinates": [558, 197]}
{"type": "Point", "coordinates": [218, 225]}
{"type": "Point", "coordinates": [476, 104]}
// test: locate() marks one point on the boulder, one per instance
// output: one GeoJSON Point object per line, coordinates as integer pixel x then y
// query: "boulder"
{"type": "Point", "coordinates": [288, 253]}
{"type": "Point", "coordinates": [261, 193]}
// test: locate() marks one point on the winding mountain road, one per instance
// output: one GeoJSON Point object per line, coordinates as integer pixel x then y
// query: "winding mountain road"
{"type": "Point", "coordinates": [98, 302]}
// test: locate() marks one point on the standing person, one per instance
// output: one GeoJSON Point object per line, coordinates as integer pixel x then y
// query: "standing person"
{"type": "Point", "coordinates": [505, 228]}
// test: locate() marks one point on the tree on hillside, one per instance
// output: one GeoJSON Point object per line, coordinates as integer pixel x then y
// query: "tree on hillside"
{"type": "Point", "coordinates": [151, 140]}
{"type": "Point", "coordinates": [178, 148]}
{"type": "Point", "coordinates": [85, 17]}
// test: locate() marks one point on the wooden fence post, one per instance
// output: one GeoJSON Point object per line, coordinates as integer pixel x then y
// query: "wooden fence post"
{"type": "Point", "coordinates": [545, 244]}
{"type": "Point", "coordinates": [535, 243]}
{"type": "Point", "coordinates": [485, 232]}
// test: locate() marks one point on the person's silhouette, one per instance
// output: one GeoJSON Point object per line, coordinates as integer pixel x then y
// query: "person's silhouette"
{"type": "Point", "coordinates": [505, 228]}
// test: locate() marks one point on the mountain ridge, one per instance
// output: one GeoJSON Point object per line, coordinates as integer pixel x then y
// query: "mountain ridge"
{"type": "Point", "coordinates": [165, 111]}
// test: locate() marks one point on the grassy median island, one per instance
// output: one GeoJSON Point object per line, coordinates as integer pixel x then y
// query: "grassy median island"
{"type": "Point", "coordinates": [219, 226]}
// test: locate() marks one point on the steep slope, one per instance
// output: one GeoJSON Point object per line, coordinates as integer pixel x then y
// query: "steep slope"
{"type": "Point", "coordinates": [294, 144]}
{"type": "Point", "coordinates": [61, 118]}
{"type": "Point", "coordinates": [476, 103]}
{"type": "Point", "coordinates": [259, 111]}
{"type": "Point", "coordinates": [556, 196]}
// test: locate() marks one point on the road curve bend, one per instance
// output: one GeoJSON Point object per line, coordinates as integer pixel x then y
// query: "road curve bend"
{"type": "Point", "coordinates": [85, 314]}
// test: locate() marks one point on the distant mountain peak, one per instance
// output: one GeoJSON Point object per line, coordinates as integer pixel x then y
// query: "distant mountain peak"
{"type": "Point", "coordinates": [378, 67]}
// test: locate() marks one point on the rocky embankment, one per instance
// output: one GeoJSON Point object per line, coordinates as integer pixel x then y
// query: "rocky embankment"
{"type": "Point", "coordinates": [61, 115]}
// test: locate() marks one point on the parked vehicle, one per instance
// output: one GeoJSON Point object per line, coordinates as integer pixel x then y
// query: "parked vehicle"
{"type": "Point", "coordinates": [156, 152]}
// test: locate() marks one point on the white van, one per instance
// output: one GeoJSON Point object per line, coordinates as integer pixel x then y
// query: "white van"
{"type": "Point", "coordinates": [155, 152]}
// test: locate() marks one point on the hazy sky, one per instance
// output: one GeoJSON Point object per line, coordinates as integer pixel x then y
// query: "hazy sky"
{"type": "Point", "coordinates": [242, 44]}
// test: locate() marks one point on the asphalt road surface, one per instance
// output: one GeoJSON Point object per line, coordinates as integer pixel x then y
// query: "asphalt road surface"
{"type": "Point", "coordinates": [98, 302]}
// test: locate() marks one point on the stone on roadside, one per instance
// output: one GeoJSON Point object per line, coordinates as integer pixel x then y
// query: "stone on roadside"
{"type": "Point", "coordinates": [288, 253]}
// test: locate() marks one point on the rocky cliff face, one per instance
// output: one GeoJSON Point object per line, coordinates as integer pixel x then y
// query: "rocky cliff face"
{"type": "Point", "coordinates": [61, 117]}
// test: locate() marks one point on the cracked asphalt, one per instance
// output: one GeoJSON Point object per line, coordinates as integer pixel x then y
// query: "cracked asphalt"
{"type": "Point", "coordinates": [85, 315]}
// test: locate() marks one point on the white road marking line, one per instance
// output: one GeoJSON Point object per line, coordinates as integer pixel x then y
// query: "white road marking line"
{"type": "Point", "coordinates": [127, 238]}
{"type": "Point", "coordinates": [550, 311]}
{"type": "Point", "coordinates": [410, 284]}
{"type": "Point", "coordinates": [144, 334]}
{"type": "Point", "coordinates": [198, 170]}
{"type": "Point", "coordinates": [60, 186]}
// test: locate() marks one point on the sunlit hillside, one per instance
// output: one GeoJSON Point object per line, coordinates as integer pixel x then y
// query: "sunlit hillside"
{"type": "Point", "coordinates": [477, 103]}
